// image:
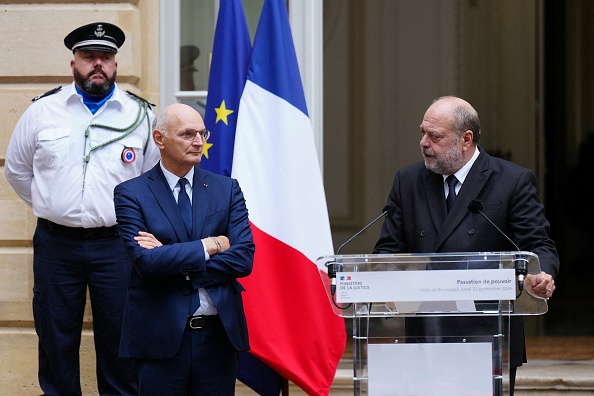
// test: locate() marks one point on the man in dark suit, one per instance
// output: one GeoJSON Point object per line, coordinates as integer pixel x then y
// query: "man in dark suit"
{"type": "Point", "coordinates": [432, 217]}
{"type": "Point", "coordinates": [184, 321]}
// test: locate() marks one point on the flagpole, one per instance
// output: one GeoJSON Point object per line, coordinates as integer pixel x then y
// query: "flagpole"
{"type": "Point", "coordinates": [285, 387]}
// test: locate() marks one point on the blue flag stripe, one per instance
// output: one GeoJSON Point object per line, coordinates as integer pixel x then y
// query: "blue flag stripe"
{"type": "Point", "coordinates": [273, 41]}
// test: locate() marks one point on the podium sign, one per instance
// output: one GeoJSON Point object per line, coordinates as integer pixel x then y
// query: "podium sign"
{"type": "Point", "coordinates": [449, 309]}
{"type": "Point", "coordinates": [446, 285]}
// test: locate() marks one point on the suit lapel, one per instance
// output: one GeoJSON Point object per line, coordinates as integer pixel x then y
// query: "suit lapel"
{"type": "Point", "coordinates": [433, 184]}
{"type": "Point", "coordinates": [164, 197]}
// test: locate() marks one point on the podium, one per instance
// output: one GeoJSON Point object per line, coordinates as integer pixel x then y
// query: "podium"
{"type": "Point", "coordinates": [435, 323]}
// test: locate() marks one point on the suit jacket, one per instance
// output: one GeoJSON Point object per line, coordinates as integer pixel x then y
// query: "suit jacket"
{"type": "Point", "coordinates": [159, 296]}
{"type": "Point", "coordinates": [509, 193]}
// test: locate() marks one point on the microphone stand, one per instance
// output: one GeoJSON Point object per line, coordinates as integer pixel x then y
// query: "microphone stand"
{"type": "Point", "coordinates": [334, 267]}
{"type": "Point", "coordinates": [520, 263]}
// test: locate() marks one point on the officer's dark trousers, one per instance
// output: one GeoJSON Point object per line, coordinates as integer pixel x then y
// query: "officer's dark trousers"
{"type": "Point", "coordinates": [63, 268]}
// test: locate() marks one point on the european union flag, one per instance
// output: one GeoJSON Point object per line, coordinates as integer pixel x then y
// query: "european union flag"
{"type": "Point", "coordinates": [228, 73]}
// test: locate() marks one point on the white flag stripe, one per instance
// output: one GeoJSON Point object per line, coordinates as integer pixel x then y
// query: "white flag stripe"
{"type": "Point", "coordinates": [275, 162]}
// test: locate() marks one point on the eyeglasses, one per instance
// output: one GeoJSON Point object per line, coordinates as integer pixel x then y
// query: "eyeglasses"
{"type": "Point", "coordinates": [191, 135]}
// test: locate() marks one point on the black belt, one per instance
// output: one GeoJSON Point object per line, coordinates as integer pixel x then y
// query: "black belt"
{"type": "Point", "coordinates": [78, 232]}
{"type": "Point", "coordinates": [202, 322]}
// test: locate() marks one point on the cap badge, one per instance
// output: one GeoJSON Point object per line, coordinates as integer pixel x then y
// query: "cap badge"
{"type": "Point", "coordinates": [99, 32]}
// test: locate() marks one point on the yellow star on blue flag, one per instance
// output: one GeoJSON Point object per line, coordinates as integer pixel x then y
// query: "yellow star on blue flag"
{"type": "Point", "coordinates": [205, 149]}
{"type": "Point", "coordinates": [222, 113]}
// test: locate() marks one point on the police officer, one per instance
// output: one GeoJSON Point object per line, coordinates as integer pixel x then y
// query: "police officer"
{"type": "Point", "coordinates": [69, 150]}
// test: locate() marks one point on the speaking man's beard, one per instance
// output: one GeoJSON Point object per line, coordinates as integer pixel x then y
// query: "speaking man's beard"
{"type": "Point", "coordinates": [448, 162]}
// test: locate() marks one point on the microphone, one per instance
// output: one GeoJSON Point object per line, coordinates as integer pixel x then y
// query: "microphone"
{"type": "Point", "coordinates": [388, 211]}
{"type": "Point", "coordinates": [476, 206]}
{"type": "Point", "coordinates": [333, 267]}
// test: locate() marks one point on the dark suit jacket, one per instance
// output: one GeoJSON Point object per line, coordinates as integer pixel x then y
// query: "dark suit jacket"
{"type": "Point", "coordinates": [510, 196]}
{"type": "Point", "coordinates": [158, 300]}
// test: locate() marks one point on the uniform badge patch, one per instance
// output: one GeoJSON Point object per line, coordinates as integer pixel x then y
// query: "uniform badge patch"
{"type": "Point", "coordinates": [128, 155]}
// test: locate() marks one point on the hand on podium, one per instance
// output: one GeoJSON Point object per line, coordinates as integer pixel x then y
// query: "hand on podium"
{"type": "Point", "coordinates": [540, 285]}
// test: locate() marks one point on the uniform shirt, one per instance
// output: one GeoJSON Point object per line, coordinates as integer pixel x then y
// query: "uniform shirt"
{"type": "Point", "coordinates": [45, 157]}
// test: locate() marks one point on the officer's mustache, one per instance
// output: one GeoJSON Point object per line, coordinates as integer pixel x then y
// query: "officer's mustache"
{"type": "Point", "coordinates": [95, 71]}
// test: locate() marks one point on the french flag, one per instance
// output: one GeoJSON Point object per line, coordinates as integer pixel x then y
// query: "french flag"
{"type": "Point", "coordinates": [291, 323]}
{"type": "Point", "coordinates": [228, 73]}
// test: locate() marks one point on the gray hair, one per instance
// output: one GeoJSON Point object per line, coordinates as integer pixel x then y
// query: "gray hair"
{"type": "Point", "coordinates": [160, 121]}
{"type": "Point", "coordinates": [465, 118]}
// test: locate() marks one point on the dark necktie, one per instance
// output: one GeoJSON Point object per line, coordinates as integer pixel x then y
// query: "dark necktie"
{"type": "Point", "coordinates": [185, 207]}
{"type": "Point", "coordinates": [452, 181]}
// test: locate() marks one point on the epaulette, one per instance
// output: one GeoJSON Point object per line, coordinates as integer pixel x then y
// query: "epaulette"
{"type": "Point", "coordinates": [48, 93]}
{"type": "Point", "coordinates": [139, 98]}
